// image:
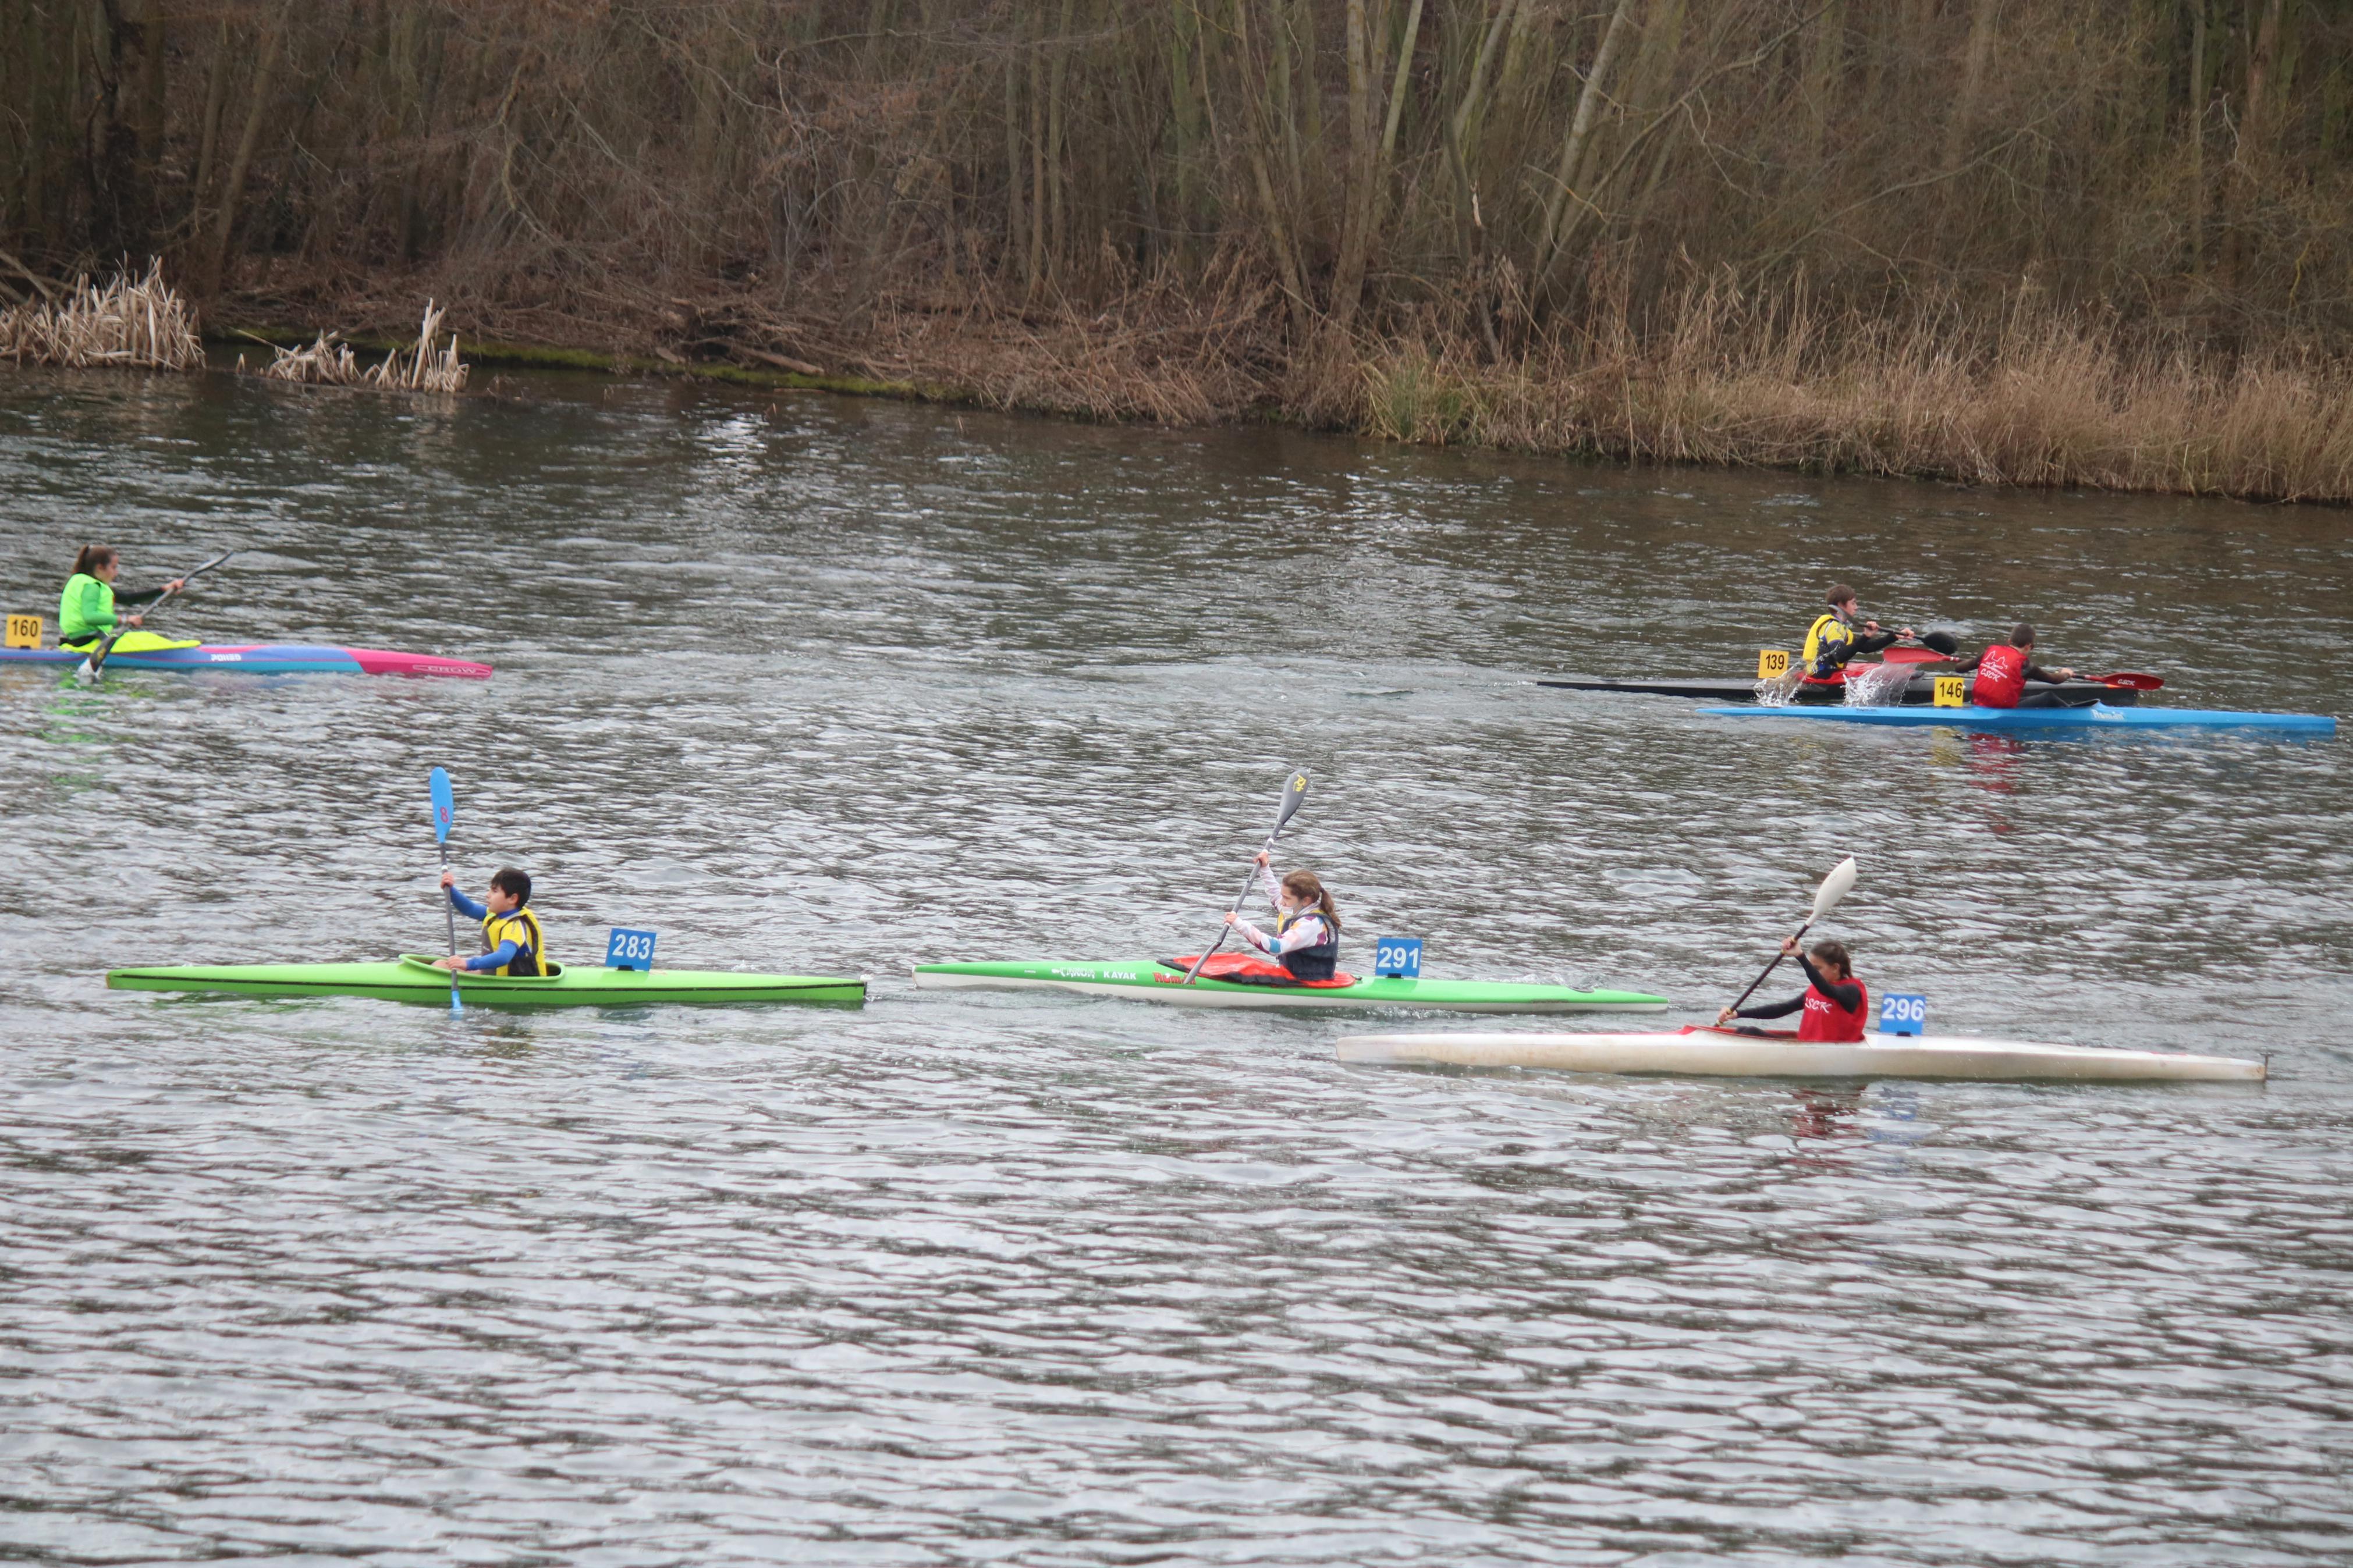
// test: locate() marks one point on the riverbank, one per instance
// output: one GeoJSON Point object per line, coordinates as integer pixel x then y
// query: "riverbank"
{"type": "Point", "coordinates": [2035, 398]}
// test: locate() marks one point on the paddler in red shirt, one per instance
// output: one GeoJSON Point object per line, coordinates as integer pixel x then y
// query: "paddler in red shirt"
{"type": "Point", "coordinates": [1831, 641]}
{"type": "Point", "coordinates": [1834, 1002]}
{"type": "Point", "coordinates": [2004, 669]}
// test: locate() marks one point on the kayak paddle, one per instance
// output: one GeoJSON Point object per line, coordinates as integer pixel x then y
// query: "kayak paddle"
{"type": "Point", "coordinates": [1293, 793]}
{"type": "Point", "coordinates": [1835, 887]}
{"type": "Point", "coordinates": [2132, 679]}
{"type": "Point", "coordinates": [445, 806]}
{"type": "Point", "coordinates": [97, 659]}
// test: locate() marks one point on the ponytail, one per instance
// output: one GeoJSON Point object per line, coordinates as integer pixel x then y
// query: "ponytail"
{"type": "Point", "coordinates": [1305, 885]}
{"type": "Point", "coordinates": [92, 557]}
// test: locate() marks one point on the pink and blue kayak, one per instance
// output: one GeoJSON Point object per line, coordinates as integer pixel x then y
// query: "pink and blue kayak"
{"type": "Point", "coordinates": [260, 658]}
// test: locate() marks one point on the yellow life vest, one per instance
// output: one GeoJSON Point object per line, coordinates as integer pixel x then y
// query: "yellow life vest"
{"type": "Point", "coordinates": [1829, 643]}
{"type": "Point", "coordinates": [523, 926]}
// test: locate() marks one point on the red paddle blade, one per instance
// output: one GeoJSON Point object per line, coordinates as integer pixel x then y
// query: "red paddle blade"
{"type": "Point", "coordinates": [2138, 682]}
{"type": "Point", "coordinates": [1915, 656]}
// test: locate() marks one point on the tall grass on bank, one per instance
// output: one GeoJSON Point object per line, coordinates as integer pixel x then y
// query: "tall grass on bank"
{"type": "Point", "coordinates": [2039, 398]}
{"type": "Point", "coordinates": [137, 324]}
{"type": "Point", "coordinates": [330, 362]}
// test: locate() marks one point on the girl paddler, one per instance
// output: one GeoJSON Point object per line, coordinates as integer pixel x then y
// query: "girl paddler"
{"type": "Point", "coordinates": [1834, 1002]}
{"type": "Point", "coordinates": [1306, 936]}
{"type": "Point", "coordinates": [86, 611]}
{"type": "Point", "coordinates": [1833, 640]}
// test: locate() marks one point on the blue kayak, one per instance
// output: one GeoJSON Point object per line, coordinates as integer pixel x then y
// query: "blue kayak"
{"type": "Point", "coordinates": [2098, 716]}
{"type": "Point", "coordinates": [259, 659]}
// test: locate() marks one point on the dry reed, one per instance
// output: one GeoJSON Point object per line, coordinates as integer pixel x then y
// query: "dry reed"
{"type": "Point", "coordinates": [131, 323]}
{"type": "Point", "coordinates": [420, 368]}
{"type": "Point", "coordinates": [2040, 398]}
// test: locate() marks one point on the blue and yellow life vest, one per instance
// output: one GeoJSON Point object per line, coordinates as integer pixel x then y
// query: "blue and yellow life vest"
{"type": "Point", "coordinates": [522, 927]}
{"type": "Point", "coordinates": [1829, 643]}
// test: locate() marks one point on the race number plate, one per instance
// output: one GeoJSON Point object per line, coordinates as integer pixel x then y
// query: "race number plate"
{"type": "Point", "coordinates": [24, 631]}
{"type": "Point", "coordinates": [1949, 690]}
{"type": "Point", "coordinates": [1902, 1014]}
{"type": "Point", "coordinates": [1398, 958]}
{"type": "Point", "coordinates": [629, 949]}
{"type": "Point", "coordinates": [1772, 662]}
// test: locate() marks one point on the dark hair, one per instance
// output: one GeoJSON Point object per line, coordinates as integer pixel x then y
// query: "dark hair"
{"type": "Point", "coordinates": [1830, 950]}
{"type": "Point", "coordinates": [507, 879]}
{"type": "Point", "coordinates": [1839, 595]}
{"type": "Point", "coordinates": [1305, 885]}
{"type": "Point", "coordinates": [92, 557]}
{"type": "Point", "coordinates": [2022, 635]}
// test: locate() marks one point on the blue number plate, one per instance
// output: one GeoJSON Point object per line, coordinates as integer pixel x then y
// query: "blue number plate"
{"type": "Point", "coordinates": [629, 950]}
{"type": "Point", "coordinates": [1399, 956]}
{"type": "Point", "coordinates": [1900, 1014]}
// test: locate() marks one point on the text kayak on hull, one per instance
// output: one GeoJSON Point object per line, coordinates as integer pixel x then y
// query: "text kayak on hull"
{"type": "Point", "coordinates": [262, 658]}
{"type": "Point", "coordinates": [1713, 1053]}
{"type": "Point", "coordinates": [415, 979]}
{"type": "Point", "coordinates": [2098, 716]}
{"type": "Point", "coordinates": [1149, 980]}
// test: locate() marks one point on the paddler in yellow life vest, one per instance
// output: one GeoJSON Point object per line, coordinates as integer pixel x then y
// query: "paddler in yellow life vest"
{"type": "Point", "coordinates": [1831, 641]}
{"type": "Point", "coordinates": [512, 942]}
{"type": "Point", "coordinates": [85, 610]}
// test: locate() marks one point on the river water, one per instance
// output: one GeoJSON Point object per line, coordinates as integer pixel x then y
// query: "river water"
{"type": "Point", "coordinates": [835, 687]}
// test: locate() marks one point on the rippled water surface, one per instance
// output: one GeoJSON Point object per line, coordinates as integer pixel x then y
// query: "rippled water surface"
{"type": "Point", "coordinates": [835, 687]}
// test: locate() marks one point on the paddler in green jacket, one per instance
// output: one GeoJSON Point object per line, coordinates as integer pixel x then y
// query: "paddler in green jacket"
{"type": "Point", "coordinates": [86, 611]}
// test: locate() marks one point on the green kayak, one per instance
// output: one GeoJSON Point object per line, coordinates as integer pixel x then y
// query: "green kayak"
{"type": "Point", "coordinates": [1149, 980]}
{"type": "Point", "coordinates": [413, 979]}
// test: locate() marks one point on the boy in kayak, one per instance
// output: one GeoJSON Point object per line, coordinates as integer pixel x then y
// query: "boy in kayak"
{"type": "Point", "coordinates": [512, 942]}
{"type": "Point", "coordinates": [85, 610]}
{"type": "Point", "coordinates": [2004, 669]}
{"type": "Point", "coordinates": [1831, 641]}
{"type": "Point", "coordinates": [1306, 938]}
{"type": "Point", "coordinates": [1834, 1001]}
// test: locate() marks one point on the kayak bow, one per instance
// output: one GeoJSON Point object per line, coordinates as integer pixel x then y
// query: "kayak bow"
{"type": "Point", "coordinates": [415, 979]}
{"type": "Point", "coordinates": [262, 658]}
{"type": "Point", "coordinates": [1146, 980]}
{"type": "Point", "coordinates": [1712, 1053]}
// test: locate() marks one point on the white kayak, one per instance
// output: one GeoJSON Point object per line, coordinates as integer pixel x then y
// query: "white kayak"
{"type": "Point", "coordinates": [1710, 1053]}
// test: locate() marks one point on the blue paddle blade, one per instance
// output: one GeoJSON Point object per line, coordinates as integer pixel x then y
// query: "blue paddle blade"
{"type": "Point", "coordinates": [445, 806]}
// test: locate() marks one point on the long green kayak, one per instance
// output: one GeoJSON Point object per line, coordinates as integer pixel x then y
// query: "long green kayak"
{"type": "Point", "coordinates": [413, 979]}
{"type": "Point", "coordinates": [1147, 980]}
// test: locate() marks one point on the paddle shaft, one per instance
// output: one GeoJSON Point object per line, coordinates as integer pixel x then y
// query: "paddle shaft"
{"type": "Point", "coordinates": [97, 659]}
{"type": "Point", "coordinates": [451, 911]}
{"type": "Point", "coordinates": [1240, 898]}
{"type": "Point", "coordinates": [1770, 968]}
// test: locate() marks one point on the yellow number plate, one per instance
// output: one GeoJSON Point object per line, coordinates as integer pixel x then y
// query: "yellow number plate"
{"type": "Point", "coordinates": [1772, 661]}
{"type": "Point", "coordinates": [1948, 691]}
{"type": "Point", "coordinates": [24, 631]}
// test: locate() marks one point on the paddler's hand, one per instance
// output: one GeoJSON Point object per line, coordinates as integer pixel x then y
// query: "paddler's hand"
{"type": "Point", "coordinates": [175, 585]}
{"type": "Point", "coordinates": [1723, 1017]}
{"type": "Point", "coordinates": [1232, 919]}
{"type": "Point", "coordinates": [138, 620]}
{"type": "Point", "coordinates": [448, 879]}
{"type": "Point", "coordinates": [449, 961]}
{"type": "Point", "coordinates": [2064, 674]}
{"type": "Point", "coordinates": [1263, 858]}
{"type": "Point", "coordinates": [1789, 947]}
{"type": "Point", "coordinates": [1908, 634]}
